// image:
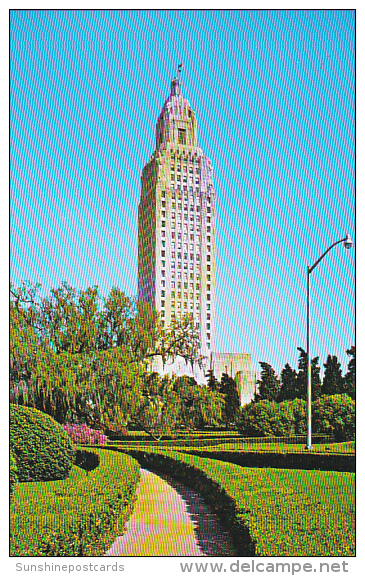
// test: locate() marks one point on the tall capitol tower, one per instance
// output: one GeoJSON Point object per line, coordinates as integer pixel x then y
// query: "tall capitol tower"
{"type": "Point", "coordinates": [176, 223]}
{"type": "Point", "coordinates": [176, 236]}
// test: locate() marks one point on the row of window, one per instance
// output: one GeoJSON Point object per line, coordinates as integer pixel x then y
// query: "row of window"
{"type": "Point", "coordinates": [179, 261]}
{"type": "Point", "coordinates": [195, 229]}
{"type": "Point", "coordinates": [185, 305]}
{"type": "Point", "coordinates": [178, 294]}
{"type": "Point", "coordinates": [192, 275]}
{"type": "Point", "coordinates": [184, 168]}
{"type": "Point", "coordinates": [179, 193]}
{"type": "Point", "coordinates": [180, 305]}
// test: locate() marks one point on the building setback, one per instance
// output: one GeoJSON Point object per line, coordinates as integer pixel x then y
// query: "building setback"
{"type": "Point", "coordinates": [176, 233]}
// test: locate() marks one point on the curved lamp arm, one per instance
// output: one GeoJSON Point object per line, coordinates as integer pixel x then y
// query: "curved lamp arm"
{"type": "Point", "coordinates": [310, 268]}
{"type": "Point", "coordinates": [347, 238]}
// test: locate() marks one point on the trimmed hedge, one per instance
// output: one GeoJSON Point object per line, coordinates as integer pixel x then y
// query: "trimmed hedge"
{"type": "Point", "coordinates": [79, 516]}
{"type": "Point", "coordinates": [43, 450]}
{"type": "Point", "coordinates": [299, 461]}
{"type": "Point", "coordinates": [13, 477]}
{"type": "Point", "coordinates": [333, 415]}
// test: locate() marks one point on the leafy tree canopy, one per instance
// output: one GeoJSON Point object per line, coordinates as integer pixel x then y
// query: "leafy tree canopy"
{"type": "Point", "coordinates": [332, 379]}
{"type": "Point", "coordinates": [269, 385]}
{"type": "Point", "coordinates": [76, 353]}
{"type": "Point", "coordinates": [349, 384]}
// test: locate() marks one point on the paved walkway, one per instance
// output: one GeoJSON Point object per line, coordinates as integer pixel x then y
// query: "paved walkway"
{"type": "Point", "coordinates": [170, 520]}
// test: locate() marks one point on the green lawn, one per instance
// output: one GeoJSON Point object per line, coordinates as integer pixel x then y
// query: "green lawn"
{"type": "Point", "coordinates": [81, 515]}
{"type": "Point", "coordinates": [288, 512]}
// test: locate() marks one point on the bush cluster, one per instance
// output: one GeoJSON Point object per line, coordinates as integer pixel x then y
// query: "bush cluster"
{"type": "Point", "coordinates": [333, 415]}
{"type": "Point", "coordinates": [82, 434]}
{"type": "Point", "coordinates": [42, 449]}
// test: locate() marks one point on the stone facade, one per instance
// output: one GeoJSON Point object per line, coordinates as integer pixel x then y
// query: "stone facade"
{"type": "Point", "coordinates": [238, 366]}
{"type": "Point", "coordinates": [176, 232]}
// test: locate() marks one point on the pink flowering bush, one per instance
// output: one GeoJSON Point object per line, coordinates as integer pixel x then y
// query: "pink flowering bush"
{"type": "Point", "coordinates": [82, 434]}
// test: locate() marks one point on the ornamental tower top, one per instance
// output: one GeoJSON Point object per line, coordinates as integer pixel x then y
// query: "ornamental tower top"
{"type": "Point", "coordinates": [176, 125]}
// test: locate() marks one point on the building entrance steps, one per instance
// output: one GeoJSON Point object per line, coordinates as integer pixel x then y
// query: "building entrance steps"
{"type": "Point", "coordinates": [169, 519]}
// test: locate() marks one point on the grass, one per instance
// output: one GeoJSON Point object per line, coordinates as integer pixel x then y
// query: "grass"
{"type": "Point", "coordinates": [78, 516]}
{"type": "Point", "coordinates": [288, 512]}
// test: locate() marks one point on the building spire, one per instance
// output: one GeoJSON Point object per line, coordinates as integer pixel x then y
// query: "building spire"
{"type": "Point", "coordinates": [175, 87]}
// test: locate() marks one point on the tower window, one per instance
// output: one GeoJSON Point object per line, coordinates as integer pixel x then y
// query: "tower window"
{"type": "Point", "coordinates": [182, 136]}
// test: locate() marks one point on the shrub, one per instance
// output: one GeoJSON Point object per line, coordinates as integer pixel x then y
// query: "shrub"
{"type": "Point", "coordinates": [13, 474]}
{"type": "Point", "coordinates": [256, 419]}
{"type": "Point", "coordinates": [82, 434]}
{"type": "Point", "coordinates": [299, 407]}
{"type": "Point", "coordinates": [335, 415]}
{"type": "Point", "coordinates": [283, 420]}
{"type": "Point", "coordinates": [269, 418]}
{"type": "Point", "coordinates": [42, 449]}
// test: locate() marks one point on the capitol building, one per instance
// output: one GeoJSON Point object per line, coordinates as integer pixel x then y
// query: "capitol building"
{"type": "Point", "coordinates": [176, 241]}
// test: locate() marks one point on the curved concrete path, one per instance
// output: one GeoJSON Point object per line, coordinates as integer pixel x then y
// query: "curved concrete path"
{"type": "Point", "coordinates": [169, 519]}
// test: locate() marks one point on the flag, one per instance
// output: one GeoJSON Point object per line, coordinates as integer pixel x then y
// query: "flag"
{"type": "Point", "coordinates": [179, 68]}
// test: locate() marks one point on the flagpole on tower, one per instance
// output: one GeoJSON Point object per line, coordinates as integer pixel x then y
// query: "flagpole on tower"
{"type": "Point", "coordinates": [179, 68]}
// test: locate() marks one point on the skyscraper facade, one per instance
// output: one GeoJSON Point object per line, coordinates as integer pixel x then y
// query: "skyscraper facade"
{"type": "Point", "coordinates": [176, 223]}
{"type": "Point", "coordinates": [176, 241]}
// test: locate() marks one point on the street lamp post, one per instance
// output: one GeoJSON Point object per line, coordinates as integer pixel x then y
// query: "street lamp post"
{"type": "Point", "coordinates": [347, 243]}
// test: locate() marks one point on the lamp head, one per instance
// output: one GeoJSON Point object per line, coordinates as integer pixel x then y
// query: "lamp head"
{"type": "Point", "coordinates": [347, 242]}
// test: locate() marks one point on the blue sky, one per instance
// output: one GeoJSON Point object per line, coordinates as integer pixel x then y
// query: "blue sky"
{"type": "Point", "coordinates": [273, 93]}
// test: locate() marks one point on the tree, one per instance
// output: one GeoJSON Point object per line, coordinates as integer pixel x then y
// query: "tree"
{"type": "Point", "coordinates": [269, 385]}
{"type": "Point", "coordinates": [335, 415]}
{"type": "Point", "coordinates": [349, 384]}
{"type": "Point", "coordinates": [159, 409]}
{"type": "Point", "coordinates": [288, 389]}
{"type": "Point", "coordinates": [255, 419]}
{"type": "Point", "coordinates": [228, 388]}
{"type": "Point", "coordinates": [69, 320]}
{"type": "Point", "coordinates": [302, 376]}
{"type": "Point", "coordinates": [212, 382]}
{"type": "Point", "coordinates": [267, 418]}
{"type": "Point", "coordinates": [199, 405]}
{"type": "Point", "coordinates": [80, 357]}
{"type": "Point", "coordinates": [332, 379]}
